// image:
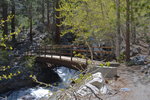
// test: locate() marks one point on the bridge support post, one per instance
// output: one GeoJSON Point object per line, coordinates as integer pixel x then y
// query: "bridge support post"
{"type": "Point", "coordinates": [86, 61]}
{"type": "Point", "coordinates": [86, 56]}
{"type": "Point", "coordinates": [51, 52]}
{"type": "Point", "coordinates": [39, 51]}
{"type": "Point", "coordinates": [60, 55]}
{"type": "Point", "coordinates": [45, 51]}
{"type": "Point", "coordinates": [71, 52]}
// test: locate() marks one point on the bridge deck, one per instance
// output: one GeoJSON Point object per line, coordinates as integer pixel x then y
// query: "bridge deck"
{"type": "Point", "coordinates": [73, 59]}
{"type": "Point", "coordinates": [76, 63]}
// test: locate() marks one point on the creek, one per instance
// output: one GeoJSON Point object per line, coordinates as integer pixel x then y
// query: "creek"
{"type": "Point", "coordinates": [38, 92]}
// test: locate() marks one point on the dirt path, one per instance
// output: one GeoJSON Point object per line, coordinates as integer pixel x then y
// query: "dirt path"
{"type": "Point", "coordinates": [137, 84]}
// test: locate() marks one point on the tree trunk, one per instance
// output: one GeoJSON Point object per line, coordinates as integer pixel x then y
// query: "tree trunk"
{"type": "Point", "coordinates": [53, 27]}
{"type": "Point", "coordinates": [149, 49]}
{"type": "Point", "coordinates": [30, 19]}
{"type": "Point", "coordinates": [4, 16]}
{"type": "Point", "coordinates": [127, 30]}
{"type": "Point", "coordinates": [57, 34]}
{"type": "Point", "coordinates": [13, 20]}
{"type": "Point", "coordinates": [133, 28]}
{"type": "Point", "coordinates": [48, 16]}
{"type": "Point", "coordinates": [43, 11]}
{"type": "Point", "coordinates": [118, 37]}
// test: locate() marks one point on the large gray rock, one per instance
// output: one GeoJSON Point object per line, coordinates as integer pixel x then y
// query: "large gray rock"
{"type": "Point", "coordinates": [94, 85]}
{"type": "Point", "coordinates": [138, 60]}
{"type": "Point", "coordinates": [146, 69]}
{"type": "Point", "coordinates": [135, 51]}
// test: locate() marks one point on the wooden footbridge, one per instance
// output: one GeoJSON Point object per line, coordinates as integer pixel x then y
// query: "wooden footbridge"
{"type": "Point", "coordinates": [71, 56]}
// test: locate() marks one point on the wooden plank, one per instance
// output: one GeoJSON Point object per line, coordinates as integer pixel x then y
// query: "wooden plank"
{"type": "Point", "coordinates": [72, 64]}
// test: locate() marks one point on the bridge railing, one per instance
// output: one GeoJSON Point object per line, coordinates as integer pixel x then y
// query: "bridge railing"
{"type": "Point", "coordinates": [69, 50]}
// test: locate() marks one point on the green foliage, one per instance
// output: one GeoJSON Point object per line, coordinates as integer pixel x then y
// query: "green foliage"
{"type": "Point", "coordinates": [5, 38]}
{"type": "Point", "coordinates": [5, 51]}
{"type": "Point", "coordinates": [86, 18]}
{"type": "Point", "coordinates": [4, 58]}
{"type": "Point", "coordinates": [121, 58]}
{"type": "Point", "coordinates": [29, 61]}
{"type": "Point", "coordinates": [107, 64]}
{"type": "Point", "coordinates": [82, 77]}
{"type": "Point", "coordinates": [9, 76]}
{"type": "Point", "coordinates": [4, 68]}
{"type": "Point", "coordinates": [141, 16]}
{"type": "Point", "coordinates": [8, 20]}
{"type": "Point", "coordinates": [34, 78]}
{"type": "Point", "coordinates": [101, 65]}
{"type": "Point", "coordinates": [23, 21]}
{"type": "Point", "coordinates": [79, 55]}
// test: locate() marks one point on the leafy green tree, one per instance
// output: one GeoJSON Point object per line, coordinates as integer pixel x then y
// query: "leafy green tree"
{"type": "Point", "coordinates": [86, 18]}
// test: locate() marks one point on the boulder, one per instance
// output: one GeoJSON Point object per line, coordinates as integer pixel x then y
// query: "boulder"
{"type": "Point", "coordinates": [146, 69]}
{"type": "Point", "coordinates": [135, 51]}
{"type": "Point", "coordinates": [94, 85]}
{"type": "Point", "coordinates": [138, 60]}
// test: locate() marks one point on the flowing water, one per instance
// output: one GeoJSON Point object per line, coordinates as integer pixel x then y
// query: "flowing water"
{"type": "Point", "coordinates": [38, 92]}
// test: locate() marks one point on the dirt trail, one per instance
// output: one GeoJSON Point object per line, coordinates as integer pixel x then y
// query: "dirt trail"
{"type": "Point", "coordinates": [131, 78]}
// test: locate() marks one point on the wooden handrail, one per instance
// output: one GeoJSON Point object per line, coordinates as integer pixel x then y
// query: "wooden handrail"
{"type": "Point", "coordinates": [67, 50]}
{"type": "Point", "coordinates": [69, 46]}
